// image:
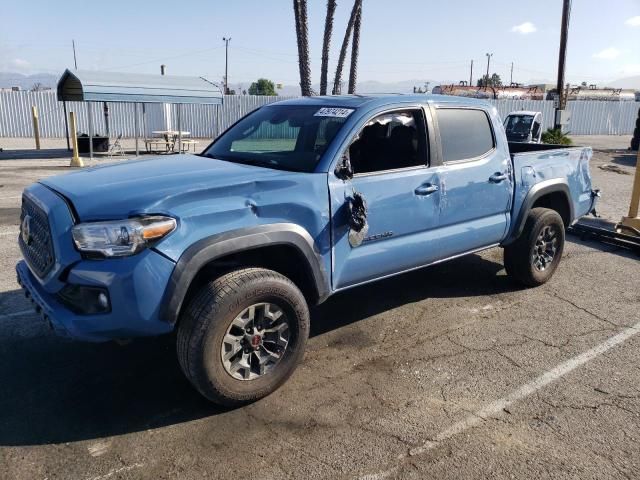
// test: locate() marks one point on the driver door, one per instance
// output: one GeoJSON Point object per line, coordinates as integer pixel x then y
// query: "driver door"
{"type": "Point", "coordinates": [391, 172]}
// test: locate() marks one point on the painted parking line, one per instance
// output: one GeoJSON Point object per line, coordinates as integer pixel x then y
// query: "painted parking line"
{"type": "Point", "coordinates": [16, 232]}
{"type": "Point", "coordinates": [17, 314]}
{"type": "Point", "coordinates": [497, 407]}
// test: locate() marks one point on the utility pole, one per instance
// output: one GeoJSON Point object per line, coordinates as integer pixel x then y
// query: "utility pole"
{"type": "Point", "coordinates": [489, 55]}
{"type": "Point", "coordinates": [226, 64]}
{"type": "Point", "coordinates": [75, 62]}
{"type": "Point", "coordinates": [471, 74]}
{"type": "Point", "coordinates": [562, 57]}
{"type": "Point", "coordinates": [511, 77]}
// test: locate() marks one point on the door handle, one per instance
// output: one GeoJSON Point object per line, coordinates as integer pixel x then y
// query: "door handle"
{"type": "Point", "coordinates": [498, 177]}
{"type": "Point", "coordinates": [426, 189]}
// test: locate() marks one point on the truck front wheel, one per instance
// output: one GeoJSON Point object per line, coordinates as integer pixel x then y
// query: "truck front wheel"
{"type": "Point", "coordinates": [242, 335]}
{"type": "Point", "coordinates": [533, 258]}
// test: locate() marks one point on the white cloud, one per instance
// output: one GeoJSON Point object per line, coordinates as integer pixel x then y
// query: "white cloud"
{"type": "Point", "coordinates": [607, 54]}
{"type": "Point", "coordinates": [20, 63]}
{"type": "Point", "coordinates": [524, 28]}
{"type": "Point", "coordinates": [633, 21]}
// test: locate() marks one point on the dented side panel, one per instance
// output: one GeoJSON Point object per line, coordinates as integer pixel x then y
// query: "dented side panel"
{"type": "Point", "coordinates": [568, 166]}
{"type": "Point", "coordinates": [295, 198]}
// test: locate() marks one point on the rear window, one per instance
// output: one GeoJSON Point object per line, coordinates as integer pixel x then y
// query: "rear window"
{"type": "Point", "coordinates": [464, 133]}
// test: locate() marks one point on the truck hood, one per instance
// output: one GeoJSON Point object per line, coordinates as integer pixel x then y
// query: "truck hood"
{"type": "Point", "coordinates": [156, 184]}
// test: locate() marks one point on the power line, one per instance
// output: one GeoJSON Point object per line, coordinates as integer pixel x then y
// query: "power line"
{"type": "Point", "coordinates": [164, 59]}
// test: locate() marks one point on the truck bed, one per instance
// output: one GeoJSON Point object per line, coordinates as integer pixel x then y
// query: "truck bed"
{"type": "Point", "coordinates": [538, 165]}
{"type": "Point", "coordinates": [520, 147]}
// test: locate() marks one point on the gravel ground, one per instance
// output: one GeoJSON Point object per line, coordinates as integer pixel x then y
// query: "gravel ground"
{"type": "Point", "coordinates": [449, 372]}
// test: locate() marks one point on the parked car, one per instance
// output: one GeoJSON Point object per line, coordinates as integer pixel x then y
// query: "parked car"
{"type": "Point", "coordinates": [298, 200]}
{"type": "Point", "coordinates": [524, 126]}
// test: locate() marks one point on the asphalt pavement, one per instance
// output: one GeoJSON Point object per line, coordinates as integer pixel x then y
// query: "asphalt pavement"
{"type": "Point", "coordinates": [449, 372]}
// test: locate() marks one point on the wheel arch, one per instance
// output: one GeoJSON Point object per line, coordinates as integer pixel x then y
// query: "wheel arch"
{"type": "Point", "coordinates": [286, 248]}
{"type": "Point", "coordinates": [553, 194]}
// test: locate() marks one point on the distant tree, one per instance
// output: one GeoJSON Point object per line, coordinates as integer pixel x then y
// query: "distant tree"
{"type": "Point", "coordinates": [493, 81]}
{"type": "Point", "coordinates": [263, 87]}
{"type": "Point", "coordinates": [36, 87]}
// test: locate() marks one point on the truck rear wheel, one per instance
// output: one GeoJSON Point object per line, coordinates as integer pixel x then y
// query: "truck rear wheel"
{"type": "Point", "coordinates": [242, 335]}
{"type": "Point", "coordinates": [533, 258]}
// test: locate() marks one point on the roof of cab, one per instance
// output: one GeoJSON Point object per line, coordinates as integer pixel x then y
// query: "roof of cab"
{"type": "Point", "coordinates": [377, 100]}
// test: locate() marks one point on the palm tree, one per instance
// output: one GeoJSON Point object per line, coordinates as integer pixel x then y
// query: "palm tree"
{"type": "Point", "coordinates": [326, 43]}
{"type": "Point", "coordinates": [355, 47]}
{"type": "Point", "coordinates": [343, 51]}
{"type": "Point", "coordinates": [302, 34]}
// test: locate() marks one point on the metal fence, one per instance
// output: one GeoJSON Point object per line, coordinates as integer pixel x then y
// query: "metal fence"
{"type": "Point", "coordinates": [208, 121]}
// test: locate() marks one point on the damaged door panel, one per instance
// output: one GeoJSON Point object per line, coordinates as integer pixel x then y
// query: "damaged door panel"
{"type": "Point", "coordinates": [387, 196]}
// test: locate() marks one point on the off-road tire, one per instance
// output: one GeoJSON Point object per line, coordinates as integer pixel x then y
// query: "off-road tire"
{"type": "Point", "coordinates": [518, 257]}
{"type": "Point", "coordinates": [209, 314]}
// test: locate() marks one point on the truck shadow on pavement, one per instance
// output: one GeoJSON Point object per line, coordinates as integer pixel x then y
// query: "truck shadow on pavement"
{"type": "Point", "coordinates": [54, 390]}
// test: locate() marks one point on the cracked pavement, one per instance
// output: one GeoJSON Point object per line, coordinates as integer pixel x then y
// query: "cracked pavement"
{"type": "Point", "coordinates": [389, 368]}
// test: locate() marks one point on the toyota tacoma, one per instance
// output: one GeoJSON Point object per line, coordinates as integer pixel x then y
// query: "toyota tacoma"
{"type": "Point", "coordinates": [298, 200]}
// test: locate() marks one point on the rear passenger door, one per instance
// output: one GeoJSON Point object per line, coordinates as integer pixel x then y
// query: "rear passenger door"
{"type": "Point", "coordinates": [476, 180]}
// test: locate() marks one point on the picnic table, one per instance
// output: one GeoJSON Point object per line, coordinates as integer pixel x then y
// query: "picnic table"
{"type": "Point", "coordinates": [166, 139]}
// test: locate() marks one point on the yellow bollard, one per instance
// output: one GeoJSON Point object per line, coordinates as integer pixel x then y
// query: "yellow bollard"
{"type": "Point", "coordinates": [633, 220]}
{"type": "Point", "coordinates": [36, 125]}
{"type": "Point", "coordinates": [76, 161]}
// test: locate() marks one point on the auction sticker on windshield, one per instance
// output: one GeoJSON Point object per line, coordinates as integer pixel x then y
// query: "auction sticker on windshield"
{"type": "Point", "coordinates": [333, 112]}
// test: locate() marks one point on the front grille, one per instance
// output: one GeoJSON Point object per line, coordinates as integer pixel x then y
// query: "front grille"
{"type": "Point", "coordinates": [37, 248]}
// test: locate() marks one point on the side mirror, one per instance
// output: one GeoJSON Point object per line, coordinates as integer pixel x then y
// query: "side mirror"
{"type": "Point", "coordinates": [343, 170]}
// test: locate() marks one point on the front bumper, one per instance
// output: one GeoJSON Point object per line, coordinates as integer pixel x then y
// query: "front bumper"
{"type": "Point", "coordinates": [135, 284]}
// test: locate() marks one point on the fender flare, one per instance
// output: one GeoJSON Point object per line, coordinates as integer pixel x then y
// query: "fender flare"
{"type": "Point", "coordinates": [536, 192]}
{"type": "Point", "coordinates": [216, 246]}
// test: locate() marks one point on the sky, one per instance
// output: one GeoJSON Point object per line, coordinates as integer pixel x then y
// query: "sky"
{"type": "Point", "coordinates": [400, 40]}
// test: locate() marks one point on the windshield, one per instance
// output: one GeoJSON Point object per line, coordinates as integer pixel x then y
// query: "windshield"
{"type": "Point", "coordinates": [518, 124]}
{"type": "Point", "coordinates": [288, 137]}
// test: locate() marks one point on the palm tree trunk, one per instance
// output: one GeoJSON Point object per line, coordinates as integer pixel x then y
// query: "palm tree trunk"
{"type": "Point", "coordinates": [343, 51]}
{"type": "Point", "coordinates": [300, 12]}
{"type": "Point", "coordinates": [326, 43]}
{"type": "Point", "coordinates": [355, 47]}
{"type": "Point", "coordinates": [296, 13]}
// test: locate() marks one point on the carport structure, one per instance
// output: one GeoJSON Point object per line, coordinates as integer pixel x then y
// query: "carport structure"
{"type": "Point", "coordinates": [92, 86]}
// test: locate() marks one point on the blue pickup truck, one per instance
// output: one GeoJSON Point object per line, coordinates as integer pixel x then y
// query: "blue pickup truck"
{"type": "Point", "coordinates": [298, 200]}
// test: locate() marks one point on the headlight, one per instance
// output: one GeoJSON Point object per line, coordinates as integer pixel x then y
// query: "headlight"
{"type": "Point", "coordinates": [120, 238]}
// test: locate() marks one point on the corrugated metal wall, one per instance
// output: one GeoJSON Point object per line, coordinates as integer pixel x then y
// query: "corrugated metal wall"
{"type": "Point", "coordinates": [208, 121]}
{"type": "Point", "coordinates": [603, 118]}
